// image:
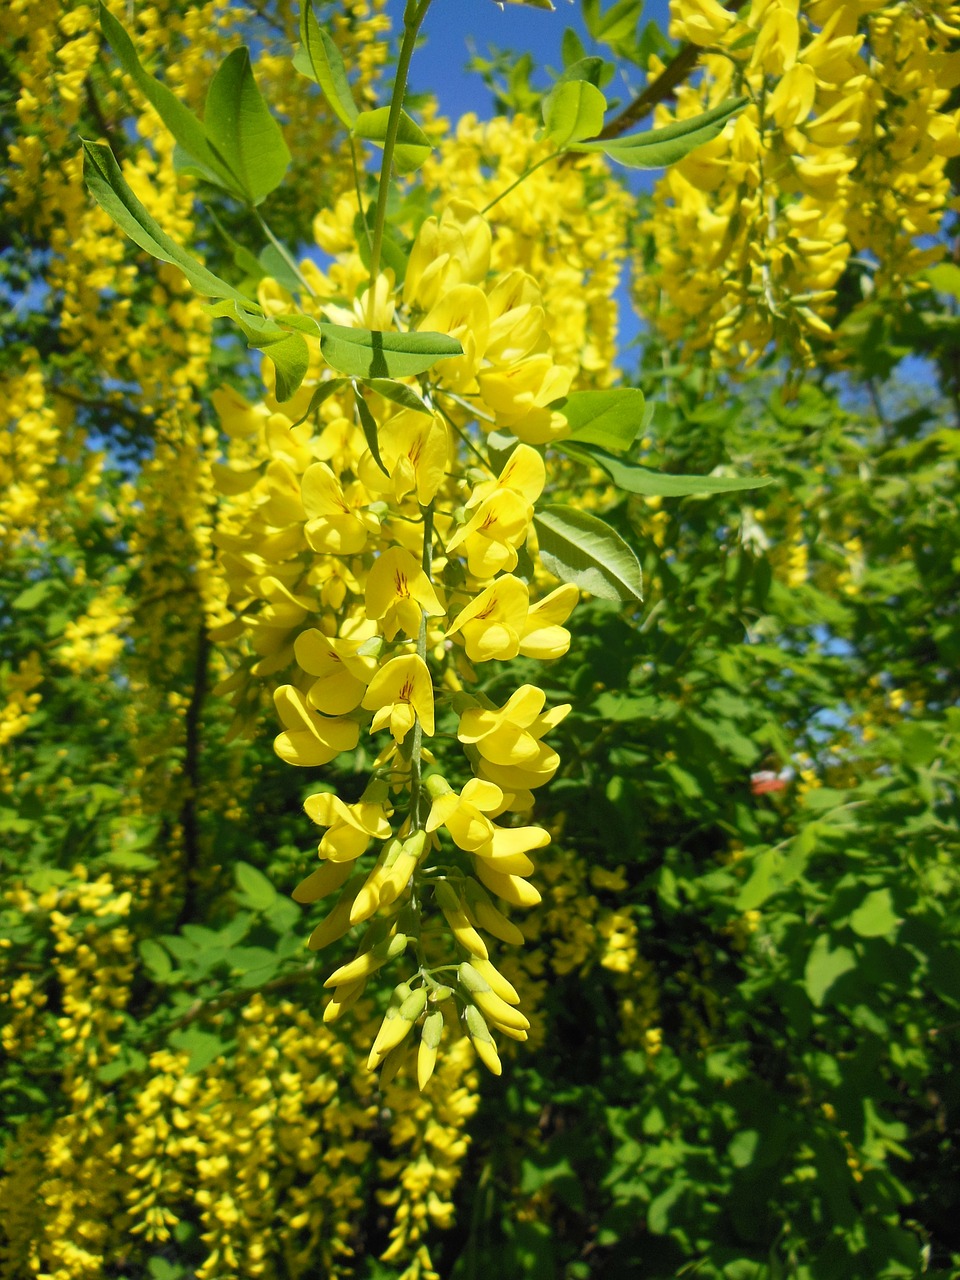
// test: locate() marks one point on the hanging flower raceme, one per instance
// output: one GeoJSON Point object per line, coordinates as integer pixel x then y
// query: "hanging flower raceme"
{"type": "Point", "coordinates": [368, 583]}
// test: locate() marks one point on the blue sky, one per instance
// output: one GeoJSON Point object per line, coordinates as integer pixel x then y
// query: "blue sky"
{"type": "Point", "coordinates": [440, 65]}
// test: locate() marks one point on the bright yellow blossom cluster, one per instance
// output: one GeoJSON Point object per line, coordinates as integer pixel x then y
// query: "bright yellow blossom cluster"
{"type": "Point", "coordinates": [268, 1149]}
{"type": "Point", "coordinates": [752, 232]}
{"type": "Point", "coordinates": [371, 588]}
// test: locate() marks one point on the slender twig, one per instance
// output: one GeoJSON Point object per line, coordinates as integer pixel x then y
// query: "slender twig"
{"type": "Point", "coordinates": [673, 74]}
{"type": "Point", "coordinates": [426, 563]}
{"type": "Point", "coordinates": [356, 187]}
{"type": "Point", "coordinates": [413, 17]}
{"type": "Point", "coordinates": [523, 177]}
{"type": "Point", "coordinates": [284, 253]}
{"type": "Point", "coordinates": [466, 440]}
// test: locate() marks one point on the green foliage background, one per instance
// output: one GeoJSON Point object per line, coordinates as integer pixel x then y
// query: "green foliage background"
{"type": "Point", "coordinates": [767, 1087]}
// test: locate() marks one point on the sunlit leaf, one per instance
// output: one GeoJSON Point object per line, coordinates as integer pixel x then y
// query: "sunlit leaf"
{"type": "Point", "coordinates": [580, 548]}
{"type": "Point", "coordinates": [657, 148]}
{"type": "Point", "coordinates": [321, 61]}
{"type": "Point", "coordinates": [241, 128]}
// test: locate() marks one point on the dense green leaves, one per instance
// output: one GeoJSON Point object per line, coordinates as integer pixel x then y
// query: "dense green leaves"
{"type": "Point", "coordinates": [580, 548]}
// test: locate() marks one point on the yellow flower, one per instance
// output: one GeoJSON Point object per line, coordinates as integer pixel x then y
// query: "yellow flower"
{"type": "Point", "coordinates": [506, 850]}
{"type": "Point", "coordinates": [332, 524]}
{"type": "Point", "coordinates": [464, 815]}
{"type": "Point", "coordinates": [399, 592]}
{"type": "Point", "coordinates": [511, 734]}
{"type": "Point", "coordinates": [500, 622]}
{"type": "Point", "coordinates": [352, 826]}
{"type": "Point", "coordinates": [503, 515]}
{"type": "Point", "coordinates": [401, 692]}
{"type": "Point", "coordinates": [520, 393]}
{"type": "Point", "coordinates": [342, 673]}
{"type": "Point", "coordinates": [454, 250]}
{"type": "Point", "coordinates": [699, 21]}
{"type": "Point", "coordinates": [543, 636]}
{"type": "Point", "coordinates": [415, 448]}
{"type": "Point", "coordinates": [309, 738]}
{"type": "Point", "coordinates": [491, 624]}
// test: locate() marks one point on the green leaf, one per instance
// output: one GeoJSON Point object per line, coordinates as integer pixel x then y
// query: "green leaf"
{"type": "Point", "coordinates": [572, 111]}
{"type": "Point", "coordinates": [399, 393]}
{"type": "Point", "coordinates": [369, 427]}
{"type": "Point", "coordinates": [128, 1059]}
{"type": "Point", "coordinates": [412, 146]}
{"type": "Point", "coordinates": [32, 596]}
{"type": "Point", "coordinates": [657, 148]}
{"type": "Point", "coordinates": [945, 278]}
{"type": "Point", "coordinates": [241, 129]}
{"type": "Point", "coordinates": [291, 359]}
{"type": "Point", "coordinates": [596, 70]}
{"type": "Point", "coordinates": [742, 1147]}
{"type": "Point", "coordinates": [113, 195]}
{"type": "Point", "coordinates": [572, 49]}
{"type": "Point", "coordinates": [323, 392]}
{"type": "Point", "coordinates": [619, 22]}
{"type": "Point", "coordinates": [180, 120]}
{"type": "Point", "coordinates": [320, 60]}
{"type": "Point", "coordinates": [611, 419]}
{"type": "Point", "coordinates": [256, 888]}
{"type": "Point", "coordinates": [824, 966]}
{"type": "Point", "coordinates": [875, 916]}
{"type": "Point", "coordinates": [129, 860]}
{"type": "Point", "coordinates": [202, 1046]}
{"type": "Point", "coordinates": [156, 960]}
{"type": "Point", "coordinates": [580, 548]}
{"type": "Point", "coordinates": [288, 351]}
{"type": "Point", "coordinates": [276, 266]}
{"type": "Point", "coordinates": [634, 479]}
{"type": "Point", "coordinates": [370, 353]}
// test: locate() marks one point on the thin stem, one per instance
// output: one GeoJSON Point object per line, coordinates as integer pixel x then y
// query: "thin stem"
{"type": "Point", "coordinates": [467, 441]}
{"type": "Point", "coordinates": [426, 563]}
{"type": "Point", "coordinates": [523, 177]}
{"type": "Point", "coordinates": [672, 75]}
{"type": "Point", "coordinates": [465, 404]}
{"type": "Point", "coordinates": [356, 187]}
{"type": "Point", "coordinates": [284, 253]}
{"type": "Point", "coordinates": [413, 17]}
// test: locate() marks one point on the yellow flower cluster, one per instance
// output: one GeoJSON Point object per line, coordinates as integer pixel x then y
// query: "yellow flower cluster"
{"type": "Point", "coordinates": [72, 1169]}
{"type": "Point", "coordinates": [21, 699]}
{"type": "Point", "coordinates": [93, 642]}
{"type": "Point", "coordinates": [752, 232]}
{"type": "Point", "coordinates": [30, 429]}
{"type": "Point", "coordinates": [565, 226]}
{"type": "Point", "coordinates": [267, 1150]}
{"type": "Point", "coordinates": [370, 588]}
{"type": "Point", "coordinates": [428, 1133]}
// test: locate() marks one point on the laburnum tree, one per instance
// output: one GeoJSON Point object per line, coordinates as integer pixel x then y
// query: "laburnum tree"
{"type": "Point", "coordinates": [615, 687]}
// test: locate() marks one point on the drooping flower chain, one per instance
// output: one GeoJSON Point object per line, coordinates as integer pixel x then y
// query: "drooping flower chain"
{"type": "Point", "coordinates": [385, 588]}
